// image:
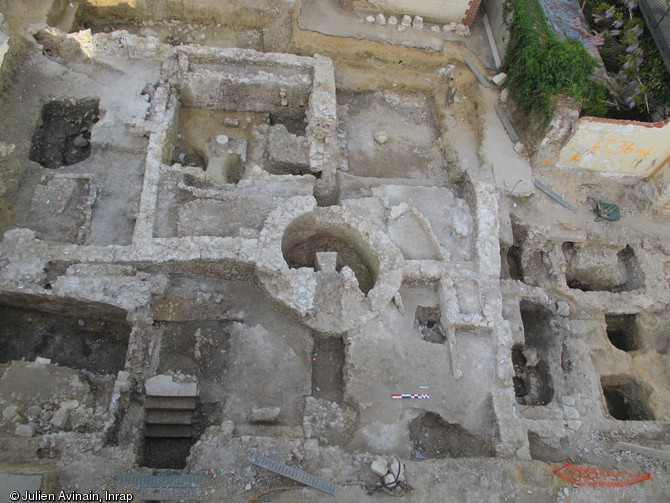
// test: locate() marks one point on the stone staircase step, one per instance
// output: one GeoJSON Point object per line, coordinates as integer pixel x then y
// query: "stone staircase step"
{"type": "Point", "coordinates": [168, 417]}
{"type": "Point", "coordinates": [168, 430]}
{"type": "Point", "coordinates": [170, 402]}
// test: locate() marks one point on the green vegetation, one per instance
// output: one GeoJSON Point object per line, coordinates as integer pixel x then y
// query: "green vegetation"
{"type": "Point", "coordinates": [540, 66]}
{"type": "Point", "coordinates": [638, 80]}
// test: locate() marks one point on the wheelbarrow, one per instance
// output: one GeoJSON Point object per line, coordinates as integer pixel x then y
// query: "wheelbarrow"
{"type": "Point", "coordinates": [606, 211]}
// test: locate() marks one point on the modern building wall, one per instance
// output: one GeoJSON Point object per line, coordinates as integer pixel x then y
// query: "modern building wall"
{"type": "Point", "coordinates": [615, 146]}
{"type": "Point", "coordinates": [622, 147]}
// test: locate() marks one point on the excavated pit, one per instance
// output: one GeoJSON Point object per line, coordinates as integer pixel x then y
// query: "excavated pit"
{"type": "Point", "coordinates": [81, 341]}
{"type": "Point", "coordinates": [427, 321]}
{"type": "Point", "coordinates": [63, 135]}
{"type": "Point", "coordinates": [542, 450]}
{"type": "Point", "coordinates": [510, 261]}
{"type": "Point", "coordinates": [305, 237]}
{"type": "Point", "coordinates": [200, 349]}
{"type": "Point", "coordinates": [622, 331]}
{"type": "Point", "coordinates": [166, 453]}
{"type": "Point", "coordinates": [197, 145]}
{"type": "Point", "coordinates": [434, 438]}
{"type": "Point", "coordinates": [533, 383]}
{"type": "Point", "coordinates": [327, 367]}
{"type": "Point", "coordinates": [627, 399]}
{"type": "Point", "coordinates": [629, 277]}
{"type": "Point", "coordinates": [302, 254]}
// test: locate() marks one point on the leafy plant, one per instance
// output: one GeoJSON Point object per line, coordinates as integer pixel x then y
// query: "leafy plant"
{"type": "Point", "coordinates": [638, 80]}
{"type": "Point", "coordinates": [540, 65]}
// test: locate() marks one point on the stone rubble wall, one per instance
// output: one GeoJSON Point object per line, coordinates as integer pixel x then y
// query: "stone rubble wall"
{"type": "Point", "coordinates": [12, 54]}
{"type": "Point", "coordinates": [236, 12]}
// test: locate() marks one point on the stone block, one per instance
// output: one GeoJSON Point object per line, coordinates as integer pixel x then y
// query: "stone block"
{"type": "Point", "coordinates": [381, 19]}
{"type": "Point", "coordinates": [570, 412]}
{"type": "Point", "coordinates": [166, 385]}
{"type": "Point", "coordinates": [417, 23]}
{"type": "Point", "coordinates": [381, 137]}
{"type": "Point", "coordinates": [499, 79]}
{"type": "Point", "coordinates": [397, 469]}
{"type": "Point", "coordinates": [574, 424]}
{"type": "Point", "coordinates": [172, 416]}
{"type": "Point", "coordinates": [406, 21]}
{"type": "Point", "coordinates": [568, 400]}
{"type": "Point", "coordinates": [32, 412]}
{"type": "Point", "coordinates": [379, 467]}
{"type": "Point", "coordinates": [389, 480]}
{"type": "Point", "coordinates": [325, 261]}
{"type": "Point", "coordinates": [392, 20]}
{"type": "Point", "coordinates": [563, 309]}
{"type": "Point", "coordinates": [61, 418]}
{"type": "Point", "coordinates": [22, 483]}
{"type": "Point", "coordinates": [287, 152]}
{"type": "Point", "coordinates": [4, 46]}
{"type": "Point", "coordinates": [25, 430]}
{"type": "Point", "coordinates": [370, 19]}
{"type": "Point", "coordinates": [265, 415]}
{"type": "Point", "coordinates": [10, 413]}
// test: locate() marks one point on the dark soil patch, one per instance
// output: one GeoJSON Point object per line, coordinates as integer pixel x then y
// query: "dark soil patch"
{"type": "Point", "coordinates": [433, 438]}
{"type": "Point", "coordinates": [82, 343]}
{"type": "Point", "coordinates": [64, 133]}
{"type": "Point", "coordinates": [327, 365]}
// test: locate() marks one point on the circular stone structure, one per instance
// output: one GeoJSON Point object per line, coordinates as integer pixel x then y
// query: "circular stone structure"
{"type": "Point", "coordinates": [307, 235]}
{"type": "Point", "coordinates": [366, 275]}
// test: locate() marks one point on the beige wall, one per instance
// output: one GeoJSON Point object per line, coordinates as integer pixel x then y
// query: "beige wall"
{"type": "Point", "coordinates": [661, 181]}
{"type": "Point", "coordinates": [494, 10]}
{"type": "Point", "coordinates": [625, 147]}
{"type": "Point", "coordinates": [438, 10]}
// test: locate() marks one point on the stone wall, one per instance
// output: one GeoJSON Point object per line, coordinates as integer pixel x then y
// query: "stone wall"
{"type": "Point", "coordinates": [237, 13]}
{"type": "Point", "coordinates": [11, 54]}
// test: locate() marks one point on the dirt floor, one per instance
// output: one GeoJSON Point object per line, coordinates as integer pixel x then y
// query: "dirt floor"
{"type": "Point", "coordinates": [275, 228]}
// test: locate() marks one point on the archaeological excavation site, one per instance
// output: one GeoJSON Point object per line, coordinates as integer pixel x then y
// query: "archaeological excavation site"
{"type": "Point", "coordinates": [316, 250]}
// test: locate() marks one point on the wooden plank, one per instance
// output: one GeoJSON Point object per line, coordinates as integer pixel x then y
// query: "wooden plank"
{"type": "Point", "coordinates": [657, 169]}
{"type": "Point", "coordinates": [508, 125]}
{"type": "Point", "coordinates": [482, 80]}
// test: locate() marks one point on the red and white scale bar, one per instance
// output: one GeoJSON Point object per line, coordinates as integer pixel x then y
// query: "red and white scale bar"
{"type": "Point", "coordinates": [400, 396]}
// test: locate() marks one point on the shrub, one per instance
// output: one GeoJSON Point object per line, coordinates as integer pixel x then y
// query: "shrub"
{"type": "Point", "coordinates": [540, 65]}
